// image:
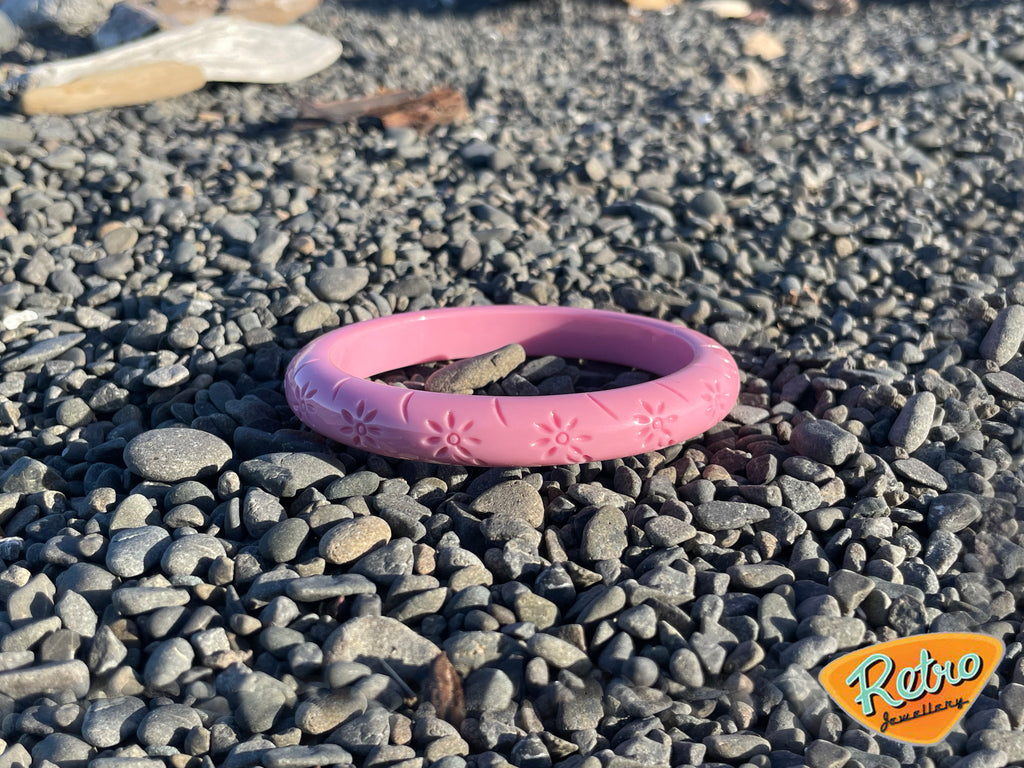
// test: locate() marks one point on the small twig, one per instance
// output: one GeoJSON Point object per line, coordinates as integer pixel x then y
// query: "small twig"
{"type": "Point", "coordinates": [394, 676]}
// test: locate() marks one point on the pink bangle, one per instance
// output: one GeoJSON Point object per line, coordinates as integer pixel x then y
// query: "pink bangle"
{"type": "Point", "coordinates": [326, 385]}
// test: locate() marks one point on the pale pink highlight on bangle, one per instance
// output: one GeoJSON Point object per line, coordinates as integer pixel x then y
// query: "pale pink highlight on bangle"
{"type": "Point", "coordinates": [326, 386]}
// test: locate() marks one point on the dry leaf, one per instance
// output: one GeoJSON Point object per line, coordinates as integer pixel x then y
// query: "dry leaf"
{"type": "Point", "coordinates": [443, 688]}
{"type": "Point", "coordinates": [393, 108]}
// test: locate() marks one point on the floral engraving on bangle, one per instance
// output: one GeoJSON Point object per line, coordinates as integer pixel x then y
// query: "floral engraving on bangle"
{"type": "Point", "coordinates": [300, 397]}
{"type": "Point", "coordinates": [654, 423]}
{"type": "Point", "coordinates": [726, 363]}
{"type": "Point", "coordinates": [357, 425]}
{"type": "Point", "coordinates": [719, 400]}
{"type": "Point", "coordinates": [449, 440]}
{"type": "Point", "coordinates": [559, 440]}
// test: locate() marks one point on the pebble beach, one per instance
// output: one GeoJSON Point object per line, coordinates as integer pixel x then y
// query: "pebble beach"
{"type": "Point", "coordinates": [191, 578]}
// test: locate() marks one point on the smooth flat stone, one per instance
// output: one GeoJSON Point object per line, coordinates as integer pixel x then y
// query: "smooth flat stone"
{"type": "Point", "coordinates": [463, 376]}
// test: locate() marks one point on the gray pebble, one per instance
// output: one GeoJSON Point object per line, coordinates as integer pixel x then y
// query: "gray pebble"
{"type": "Point", "coordinates": [15, 134]}
{"type": "Point", "coordinates": [362, 733]}
{"type": "Point", "coordinates": [31, 601]}
{"type": "Point", "coordinates": [261, 511]}
{"type": "Point", "coordinates": [463, 376]}
{"type": "Point", "coordinates": [76, 614]}
{"type": "Point", "coordinates": [919, 472]}
{"type": "Point", "coordinates": [261, 699]}
{"type": "Point", "coordinates": [760, 576]}
{"type": "Point", "coordinates": [824, 442]}
{"type": "Point", "coordinates": [41, 351]}
{"type": "Point", "coordinates": [27, 475]}
{"type": "Point", "coordinates": [825, 754]}
{"type": "Point", "coordinates": [351, 539]}
{"type": "Point", "coordinates": [170, 376]}
{"type": "Point", "coordinates": [708, 204]}
{"type": "Point", "coordinates": [46, 680]}
{"type": "Point", "coordinates": [605, 535]}
{"type": "Point", "coordinates": [325, 713]}
{"type": "Point", "coordinates": [953, 512]}
{"type": "Point", "coordinates": [370, 637]}
{"type": "Point", "coordinates": [306, 756]}
{"type": "Point", "coordinates": [727, 515]}
{"type": "Point", "coordinates": [338, 283]}
{"type": "Point", "coordinates": [849, 589]}
{"type": "Point", "coordinates": [236, 228]}
{"type": "Point", "coordinates": [109, 722]}
{"type": "Point", "coordinates": [808, 652]}
{"type": "Point", "coordinates": [176, 453]}
{"type": "Point", "coordinates": [1006, 384]}
{"type": "Point", "coordinates": [167, 662]}
{"type": "Point", "coordinates": [131, 601]}
{"type": "Point", "coordinates": [516, 498]}
{"type": "Point", "coordinates": [800, 229]}
{"type": "Point", "coordinates": [62, 749]}
{"type": "Point", "coordinates": [558, 653]}
{"type": "Point", "coordinates": [667, 531]}
{"type": "Point", "coordinates": [133, 551]}
{"type": "Point", "coordinates": [167, 725]}
{"type": "Point", "coordinates": [911, 427]}
{"type": "Point", "coordinates": [736, 747]}
{"type": "Point", "coordinates": [361, 483]}
{"type": "Point", "coordinates": [942, 551]}
{"type": "Point", "coordinates": [799, 495]}
{"type": "Point", "coordinates": [283, 542]}
{"type": "Point", "coordinates": [1003, 339]}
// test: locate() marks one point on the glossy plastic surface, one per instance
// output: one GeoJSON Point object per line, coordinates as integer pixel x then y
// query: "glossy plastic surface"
{"type": "Point", "coordinates": [326, 386]}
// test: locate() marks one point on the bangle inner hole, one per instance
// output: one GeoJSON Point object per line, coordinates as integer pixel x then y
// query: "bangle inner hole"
{"type": "Point", "coordinates": [545, 375]}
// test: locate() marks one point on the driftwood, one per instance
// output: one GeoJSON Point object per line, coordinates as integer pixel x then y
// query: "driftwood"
{"type": "Point", "coordinates": [393, 109]}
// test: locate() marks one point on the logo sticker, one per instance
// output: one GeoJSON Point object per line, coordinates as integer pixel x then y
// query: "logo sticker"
{"type": "Point", "coordinates": [914, 689]}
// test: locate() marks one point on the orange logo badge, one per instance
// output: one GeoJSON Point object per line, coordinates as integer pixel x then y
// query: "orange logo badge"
{"type": "Point", "coordinates": [914, 689]}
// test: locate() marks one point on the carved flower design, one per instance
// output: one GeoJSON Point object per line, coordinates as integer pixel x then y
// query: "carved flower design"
{"type": "Point", "coordinates": [654, 423]}
{"type": "Point", "coordinates": [717, 397]}
{"type": "Point", "coordinates": [449, 440]}
{"type": "Point", "coordinates": [560, 440]}
{"type": "Point", "coordinates": [357, 425]}
{"type": "Point", "coordinates": [301, 399]}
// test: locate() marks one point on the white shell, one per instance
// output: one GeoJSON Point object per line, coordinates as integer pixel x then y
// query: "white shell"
{"type": "Point", "coordinates": [227, 49]}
